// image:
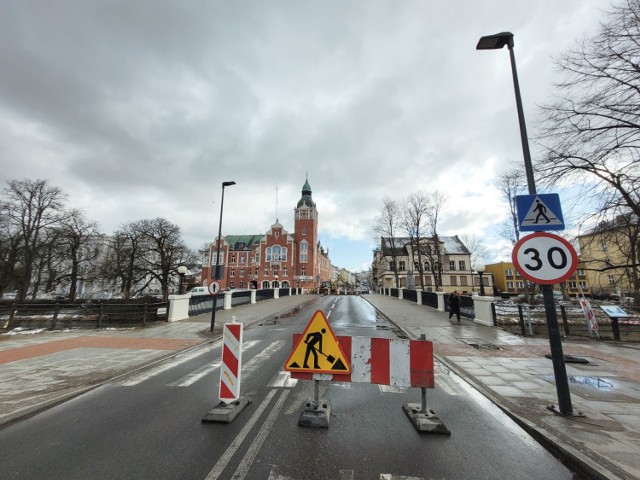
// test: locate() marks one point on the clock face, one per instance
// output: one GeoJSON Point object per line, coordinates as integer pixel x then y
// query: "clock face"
{"type": "Point", "coordinates": [304, 214]}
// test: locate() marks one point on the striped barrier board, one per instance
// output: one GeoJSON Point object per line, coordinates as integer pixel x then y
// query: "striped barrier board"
{"type": "Point", "coordinates": [384, 361]}
{"type": "Point", "coordinates": [230, 368]}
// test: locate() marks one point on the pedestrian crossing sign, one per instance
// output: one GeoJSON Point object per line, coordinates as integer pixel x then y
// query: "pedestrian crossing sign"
{"type": "Point", "coordinates": [318, 350]}
{"type": "Point", "coordinates": [538, 213]}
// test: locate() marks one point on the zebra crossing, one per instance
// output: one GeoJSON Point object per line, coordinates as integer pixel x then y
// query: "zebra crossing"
{"type": "Point", "coordinates": [282, 379]}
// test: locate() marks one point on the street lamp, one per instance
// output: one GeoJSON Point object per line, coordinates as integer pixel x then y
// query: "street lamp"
{"type": "Point", "coordinates": [480, 270]}
{"type": "Point", "coordinates": [181, 272]}
{"type": "Point", "coordinates": [497, 42]}
{"type": "Point", "coordinates": [216, 274]}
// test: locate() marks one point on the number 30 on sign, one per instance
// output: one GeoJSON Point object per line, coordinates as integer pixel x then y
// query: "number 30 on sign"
{"type": "Point", "coordinates": [544, 258]}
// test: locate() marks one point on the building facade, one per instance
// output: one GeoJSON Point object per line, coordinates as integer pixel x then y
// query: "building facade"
{"type": "Point", "coordinates": [446, 265]}
{"type": "Point", "coordinates": [277, 259]}
{"type": "Point", "coordinates": [610, 255]}
{"type": "Point", "coordinates": [508, 280]}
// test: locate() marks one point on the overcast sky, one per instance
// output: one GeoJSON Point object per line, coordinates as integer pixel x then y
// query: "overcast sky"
{"type": "Point", "coordinates": [141, 109]}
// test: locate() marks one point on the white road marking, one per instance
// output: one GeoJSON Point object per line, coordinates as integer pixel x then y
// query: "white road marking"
{"type": "Point", "coordinates": [392, 389]}
{"type": "Point", "coordinates": [192, 378]}
{"type": "Point", "coordinates": [444, 382]}
{"type": "Point", "coordinates": [388, 476]}
{"type": "Point", "coordinates": [282, 379]}
{"type": "Point", "coordinates": [160, 368]}
{"type": "Point", "coordinates": [235, 444]}
{"type": "Point", "coordinates": [256, 445]}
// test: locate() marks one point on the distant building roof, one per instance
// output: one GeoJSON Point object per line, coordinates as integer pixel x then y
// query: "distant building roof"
{"type": "Point", "coordinates": [242, 242]}
{"type": "Point", "coordinates": [452, 245]}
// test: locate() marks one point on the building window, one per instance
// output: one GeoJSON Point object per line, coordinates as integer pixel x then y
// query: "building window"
{"type": "Point", "coordinates": [257, 259]}
{"type": "Point", "coordinates": [304, 271]}
{"type": "Point", "coordinates": [304, 251]}
{"type": "Point", "coordinates": [452, 264]}
{"type": "Point", "coordinates": [463, 281]}
{"type": "Point", "coordinates": [277, 234]}
{"type": "Point", "coordinates": [520, 285]}
{"type": "Point", "coordinates": [427, 280]}
{"type": "Point", "coordinates": [233, 258]}
{"type": "Point", "coordinates": [402, 266]}
{"type": "Point", "coordinates": [612, 281]}
{"type": "Point", "coordinates": [454, 280]}
{"type": "Point", "coordinates": [241, 284]}
{"type": "Point", "coordinates": [266, 270]}
{"type": "Point", "coordinates": [231, 285]}
{"type": "Point", "coordinates": [462, 265]}
{"type": "Point", "coordinates": [509, 285]}
{"type": "Point", "coordinates": [242, 273]}
{"type": "Point", "coordinates": [243, 258]}
{"type": "Point", "coordinates": [580, 272]}
{"type": "Point", "coordinates": [304, 230]}
{"type": "Point", "coordinates": [508, 272]}
{"type": "Point", "coordinates": [427, 266]}
{"type": "Point", "coordinates": [268, 254]}
{"type": "Point", "coordinates": [265, 284]}
{"type": "Point", "coordinates": [285, 272]}
{"type": "Point", "coordinates": [232, 272]}
{"type": "Point", "coordinates": [276, 253]}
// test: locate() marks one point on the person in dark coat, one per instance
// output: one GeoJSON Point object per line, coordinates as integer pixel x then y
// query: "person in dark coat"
{"type": "Point", "coordinates": [454, 305]}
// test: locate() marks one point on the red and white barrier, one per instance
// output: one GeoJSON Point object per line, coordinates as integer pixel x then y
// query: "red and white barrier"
{"type": "Point", "coordinates": [230, 368]}
{"type": "Point", "coordinates": [384, 361]}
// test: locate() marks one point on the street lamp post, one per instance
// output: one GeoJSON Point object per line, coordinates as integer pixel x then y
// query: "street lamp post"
{"type": "Point", "coordinates": [181, 272]}
{"type": "Point", "coordinates": [497, 42]}
{"type": "Point", "coordinates": [216, 274]}
{"type": "Point", "coordinates": [480, 270]}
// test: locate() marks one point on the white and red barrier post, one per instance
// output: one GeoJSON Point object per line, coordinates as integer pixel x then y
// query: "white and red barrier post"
{"type": "Point", "coordinates": [231, 402]}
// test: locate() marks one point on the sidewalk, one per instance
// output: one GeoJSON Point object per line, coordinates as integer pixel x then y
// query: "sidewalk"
{"type": "Point", "coordinates": [514, 373]}
{"type": "Point", "coordinates": [39, 371]}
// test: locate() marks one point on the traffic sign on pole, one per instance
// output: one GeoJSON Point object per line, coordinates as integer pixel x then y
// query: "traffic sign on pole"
{"type": "Point", "coordinates": [214, 287]}
{"type": "Point", "coordinates": [539, 212]}
{"type": "Point", "coordinates": [544, 258]}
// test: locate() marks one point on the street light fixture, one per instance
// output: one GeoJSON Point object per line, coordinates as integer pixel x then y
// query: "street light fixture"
{"type": "Point", "coordinates": [480, 269]}
{"type": "Point", "coordinates": [564, 407]}
{"type": "Point", "coordinates": [496, 42]}
{"type": "Point", "coordinates": [182, 270]}
{"type": "Point", "coordinates": [216, 274]}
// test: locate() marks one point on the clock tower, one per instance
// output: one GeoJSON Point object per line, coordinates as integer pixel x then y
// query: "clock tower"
{"type": "Point", "coordinates": [307, 274]}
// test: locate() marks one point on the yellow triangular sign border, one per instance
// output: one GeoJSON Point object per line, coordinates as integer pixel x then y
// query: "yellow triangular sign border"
{"type": "Point", "coordinates": [334, 349]}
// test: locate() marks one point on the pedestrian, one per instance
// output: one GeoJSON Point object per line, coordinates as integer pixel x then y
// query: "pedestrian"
{"type": "Point", "coordinates": [454, 305]}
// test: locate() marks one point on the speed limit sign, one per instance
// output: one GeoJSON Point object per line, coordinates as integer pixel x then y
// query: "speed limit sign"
{"type": "Point", "coordinates": [544, 258]}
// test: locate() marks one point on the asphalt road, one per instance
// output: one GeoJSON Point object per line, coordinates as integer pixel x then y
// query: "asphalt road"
{"type": "Point", "coordinates": [148, 425]}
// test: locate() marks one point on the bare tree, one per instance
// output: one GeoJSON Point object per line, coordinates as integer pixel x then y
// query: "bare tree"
{"type": "Point", "coordinates": [591, 132]}
{"type": "Point", "coordinates": [124, 264]}
{"type": "Point", "coordinates": [477, 249]}
{"type": "Point", "coordinates": [510, 184]}
{"type": "Point", "coordinates": [415, 223]}
{"type": "Point", "coordinates": [29, 209]}
{"type": "Point", "coordinates": [436, 255]}
{"type": "Point", "coordinates": [387, 225]}
{"type": "Point", "coordinates": [79, 242]}
{"type": "Point", "coordinates": [164, 251]}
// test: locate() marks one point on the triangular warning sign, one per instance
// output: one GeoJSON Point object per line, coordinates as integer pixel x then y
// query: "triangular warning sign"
{"type": "Point", "coordinates": [540, 215]}
{"type": "Point", "coordinates": [318, 350]}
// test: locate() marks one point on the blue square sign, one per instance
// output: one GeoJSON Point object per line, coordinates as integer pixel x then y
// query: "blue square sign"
{"type": "Point", "coordinates": [538, 213]}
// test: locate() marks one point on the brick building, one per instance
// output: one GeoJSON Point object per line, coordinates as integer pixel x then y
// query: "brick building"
{"type": "Point", "coordinates": [277, 259]}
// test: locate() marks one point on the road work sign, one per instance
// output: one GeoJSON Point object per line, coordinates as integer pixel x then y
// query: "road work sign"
{"type": "Point", "coordinates": [318, 350]}
{"type": "Point", "coordinates": [539, 212]}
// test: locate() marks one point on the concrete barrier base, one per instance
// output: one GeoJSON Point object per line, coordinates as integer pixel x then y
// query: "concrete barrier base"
{"type": "Point", "coordinates": [226, 412]}
{"type": "Point", "coordinates": [315, 415]}
{"type": "Point", "coordinates": [424, 422]}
